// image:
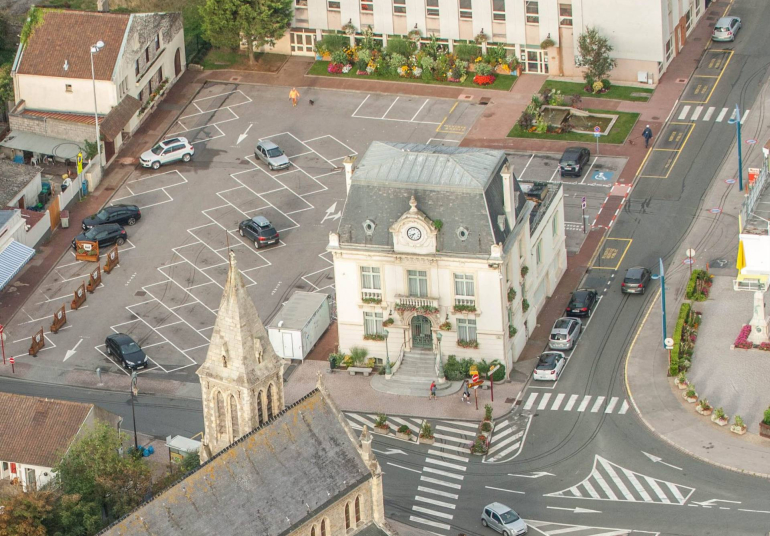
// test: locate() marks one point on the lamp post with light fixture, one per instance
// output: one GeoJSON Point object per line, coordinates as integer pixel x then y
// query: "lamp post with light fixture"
{"type": "Point", "coordinates": [94, 50]}
{"type": "Point", "coordinates": [387, 355]}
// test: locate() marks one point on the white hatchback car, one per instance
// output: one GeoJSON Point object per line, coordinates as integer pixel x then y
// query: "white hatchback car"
{"type": "Point", "coordinates": [503, 519]}
{"type": "Point", "coordinates": [549, 366]}
{"type": "Point", "coordinates": [166, 152]}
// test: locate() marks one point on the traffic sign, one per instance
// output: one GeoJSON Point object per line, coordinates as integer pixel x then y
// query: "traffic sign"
{"type": "Point", "coordinates": [493, 368]}
{"type": "Point", "coordinates": [475, 377]}
{"type": "Point", "coordinates": [669, 342]}
{"type": "Point", "coordinates": [751, 142]}
{"type": "Point", "coordinates": [584, 202]}
{"type": "Point", "coordinates": [475, 384]}
{"type": "Point", "coordinates": [597, 129]}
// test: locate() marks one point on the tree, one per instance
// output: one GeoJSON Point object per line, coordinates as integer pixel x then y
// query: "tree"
{"type": "Point", "coordinates": [220, 22]}
{"type": "Point", "coordinates": [594, 54]}
{"type": "Point", "coordinates": [263, 22]}
{"type": "Point", "coordinates": [6, 88]}
{"type": "Point", "coordinates": [75, 517]}
{"type": "Point", "coordinates": [25, 514]}
{"type": "Point", "coordinates": [94, 469]}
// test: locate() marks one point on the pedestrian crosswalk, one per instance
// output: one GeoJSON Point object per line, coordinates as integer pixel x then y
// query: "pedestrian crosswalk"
{"type": "Point", "coordinates": [586, 404]}
{"type": "Point", "coordinates": [358, 420]}
{"type": "Point", "coordinates": [610, 482]}
{"type": "Point", "coordinates": [507, 439]}
{"type": "Point", "coordinates": [693, 113]}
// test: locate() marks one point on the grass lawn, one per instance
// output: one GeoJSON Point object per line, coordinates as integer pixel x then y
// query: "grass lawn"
{"type": "Point", "coordinates": [615, 92]}
{"type": "Point", "coordinates": [502, 82]}
{"type": "Point", "coordinates": [230, 59]}
{"type": "Point", "coordinates": [617, 135]}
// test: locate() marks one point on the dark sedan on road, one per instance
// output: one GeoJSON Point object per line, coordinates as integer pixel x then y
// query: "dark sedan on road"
{"type": "Point", "coordinates": [129, 353]}
{"type": "Point", "coordinates": [573, 161]}
{"type": "Point", "coordinates": [105, 235]}
{"type": "Point", "coordinates": [582, 302]}
{"type": "Point", "coordinates": [122, 214]}
{"type": "Point", "coordinates": [636, 281]}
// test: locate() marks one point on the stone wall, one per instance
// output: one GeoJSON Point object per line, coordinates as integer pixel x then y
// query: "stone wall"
{"type": "Point", "coordinates": [335, 514]}
{"type": "Point", "coordinates": [55, 128]}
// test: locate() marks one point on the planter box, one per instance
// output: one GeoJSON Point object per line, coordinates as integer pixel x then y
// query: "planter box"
{"type": "Point", "coordinates": [721, 422]}
{"type": "Point", "coordinates": [764, 430]}
{"type": "Point", "coordinates": [740, 430]}
{"type": "Point", "coordinates": [682, 386]}
{"type": "Point", "coordinates": [381, 431]}
{"type": "Point", "coordinates": [690, 400]}
{"type": "Point", "coordinates": [363, 370]}
{"type": "Point", "coordinates": [427, 440]}
{"type": "Point", "coordinates": [407, 437]}
{"type": "Point", "coordinates": [704, 412]}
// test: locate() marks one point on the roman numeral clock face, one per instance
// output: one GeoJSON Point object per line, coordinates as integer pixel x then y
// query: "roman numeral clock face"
{"type": "Point", "coordinates": [414, 233]}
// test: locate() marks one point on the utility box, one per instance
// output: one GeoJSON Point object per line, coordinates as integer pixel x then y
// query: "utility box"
{"type": "Point", "coordinates": [299, 324]}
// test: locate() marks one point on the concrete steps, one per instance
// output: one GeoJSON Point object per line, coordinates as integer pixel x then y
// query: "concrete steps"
{"type": "Point", "coordinates": [414, 376]}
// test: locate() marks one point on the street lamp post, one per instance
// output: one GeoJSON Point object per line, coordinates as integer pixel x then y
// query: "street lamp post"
{"type": "Point", "coordinates": [737, 121]}
{"type": "Point", "coordinates": [439, 364]}
{"type": "Point", "coordinates": [134, 392]}
{"type": "Point", "coordinates": [95, 49]}
{"type": "Point", "coordinates": [387, 354]}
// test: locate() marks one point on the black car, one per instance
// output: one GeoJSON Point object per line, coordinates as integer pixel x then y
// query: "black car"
{"type": "Point", "coordinates": [636, 281]}
{"type": "Point", "coordinates": [122, 214]}
{"type": "Point", "coordinates": [104, 235]}
{"type": "Point", "coordinates": [573, 161]}
{"type": "Point", "coordinates": [124, 348]}
{"type": "Point", "coordinates": [582, 302]}
{"type": "Point", "coordinates": [260, 230]}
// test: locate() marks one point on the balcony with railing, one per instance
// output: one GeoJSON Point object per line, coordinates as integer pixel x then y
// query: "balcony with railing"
{"type": "Point", "coordinates": [416, 301]}
{"type": "Point", "coordinates": [465, 304]}
{"type": "Point", "coordinates": [371, 296]}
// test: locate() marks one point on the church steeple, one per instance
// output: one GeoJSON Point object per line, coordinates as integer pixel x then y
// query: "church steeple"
{"type": "Point", "coordinates": [242, 377]}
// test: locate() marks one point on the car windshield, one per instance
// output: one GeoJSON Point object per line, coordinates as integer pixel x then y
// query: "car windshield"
{"type": "Point", "coordinates": [102, 215]}
{"type": "Point", "coordinates": [562, 324]}
{"type": "Point", "coordinates": [578, 299]}
{"type": "Point", "coordinates": [274, 152]}
{"type": "Point", "coordinates": [509, 517]}
{"type": "Point", "coordinates": [91, 233]}
{"type": "Point", "coordinates": [130, 348]}
{"type": "Point", "coordinates": [721, 29]}
{"type": "Point", "coordinates": [157, 149]}
{"type": "Point", "coordinates": [546, 362]}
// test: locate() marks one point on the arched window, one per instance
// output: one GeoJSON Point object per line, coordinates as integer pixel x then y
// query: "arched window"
{"type": "Point", "coordinates": [234, 417]}
{"type": "Point", "coordinates": [312, 531]}
{"type": "Point", "coordinates": [270, 416]}
{"type": "Point", "coordinates": [358, 509]}
{"type": "Point", "coordinates": [347, 516]}
{"type": "Point", "coordinates": [323, 527]}
{"type": "Point", "coordinates": [261, 413]}
{"type": "Point", "coordinates": [221, 418]}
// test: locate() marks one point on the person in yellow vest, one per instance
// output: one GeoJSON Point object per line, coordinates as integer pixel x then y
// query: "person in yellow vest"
{"type": "Point", "coordinates": [294, 95]}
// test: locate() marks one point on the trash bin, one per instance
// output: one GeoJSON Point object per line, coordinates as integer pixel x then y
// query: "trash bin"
{"type": "Point", "coordinates": [65, 219]}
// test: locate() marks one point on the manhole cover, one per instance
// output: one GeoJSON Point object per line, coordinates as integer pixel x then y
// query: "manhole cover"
{"type": "Point", "coordinates": [109, 188]}
{"type": "Point", "coordinates": [510, 400]}
{"type": "Point", "coordinates": [655, 118]}
{"type": "Point", "coordinates": [681, 80]}
{"type": "Point", "coordinates": [140, 293]}
{"type": "Point", "coordinates": [484, 101]}
{"type": "Point", "coordinates": [235, 79]}
{"type": "Point", "coordinates": [465, 97]}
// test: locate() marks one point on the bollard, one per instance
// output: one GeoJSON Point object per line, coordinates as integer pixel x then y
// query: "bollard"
{"type": "Point", "coordinates": [99, 374]}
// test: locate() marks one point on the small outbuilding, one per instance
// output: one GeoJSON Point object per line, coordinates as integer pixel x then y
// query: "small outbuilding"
{"type": "Point", "coordinates": [299, 324]}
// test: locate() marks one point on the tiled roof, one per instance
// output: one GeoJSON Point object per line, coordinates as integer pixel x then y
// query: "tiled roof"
{"type": "Point", "coordinates": [37, 431]}
{"type": "Point", "coordinates": [61, 116]}
{"type": "Point", "coordinates": [13, 179]}
{"type": "Point", "coordinates": [67, 36]}
{"type": "Point", "coordinates": [119, 116]}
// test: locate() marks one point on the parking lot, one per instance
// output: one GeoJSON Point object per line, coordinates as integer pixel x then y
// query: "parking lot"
{"type": "Point", "coordinates": [594, 185]}
{"type": "Point", "coordinates": [166, 290]}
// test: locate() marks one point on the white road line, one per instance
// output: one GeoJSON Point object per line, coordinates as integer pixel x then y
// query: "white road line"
{"type": "Point", "coordinates": [438, 492]}
{"type": "Point", "coordinates": [584, 403]}
{"type": "Point", "coordinates": [557, 402]}
{"type": "Point", "coordinates": [709, 113]}
{"type": "Point", "coordinates": [675, 492]}
{"type": "Point", "coordinates": [721, 115]}
{"type": "Point", "coordinates": [445, 464]}
{"type": "Point", "coordinates": [637, 485]}
{"type": "Point", "coordinates": [435, 502]}
{"type": "Point", "coordinates": [617, 480]}
{"type": "Point", "coordinates": [500, 435]}
{"type": "Point", "coordinates": [571, 402]}
{"type": "Point", "coordinates": [497, 446]}
{"type": "Point", "coordinates": [418, 111]}
{"type": "Point", "coordinates": [455, 430]}
{"type": "Point", "coordinates": [623, 408]}
{"type": "Point", "coordinates": [508, 490]}
{"type": "Point", "coordinates": [575, 491]}
{"type": "Point", "coordinates": [605, 487]}
{"type": "Point", "coordinates": [580, 527]}
{"type": "Point", "coordinates": [440, 472]}
{"type": "Point", "coordinates": [611, 405]}
{"type": "Point", "coordinates": [590, 489]}
{"type": "Point", "coordinates": [362, 103]}
{"type": "Point", "coordinates": [597, 404]}
{"type": "Point", "coordinates": [447, 455]}
{"type": "Point", "coordinates": [402, 467]}
{"type": "Point", "coordinates": [696, 113]}
{"type": "Point", "coordinates": [430, 523]}
{"type": "Point", "coordinates": [745, 115]}
{"type": "Point", "coordinates": [544, 401]}
{"type": "Point", "coordinates": [360, 418]}
{"type": "Point", "coordinates": [530, 401]}
{"type": "Point", "coordinates": [412, 427]}
{"type": "Point", "coordinates": [508, 450]}
{"type": "Point", "coordinates": [440, 482]}
{"type": "Point", "coordinates": [432, 512]}
{"type": "Point", "coordinates": [681, 115]}
{"type": "Point", "coordinates": [659, 492]}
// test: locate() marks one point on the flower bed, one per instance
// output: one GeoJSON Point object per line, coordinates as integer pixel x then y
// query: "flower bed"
{"type": "Point", "coordinates": [699, 286]}
{"type": "Point", "coordinates": [742, 341]}
{"type": "Point", "coordinates": [484, 80]}
{"type": "Point", "coordinates": [467, 344]}
{"type": "Point", "coordinates": [334, 68]}
{"type": "Point", "coordinates": [685, 335]}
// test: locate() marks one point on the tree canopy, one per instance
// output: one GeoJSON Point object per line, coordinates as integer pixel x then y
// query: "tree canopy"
{"type": "Point", "coordinates": [594, 54]}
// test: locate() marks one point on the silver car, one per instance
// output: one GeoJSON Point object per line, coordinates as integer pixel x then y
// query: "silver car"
{"type": "Point", "coordinates": [503, 520]}
{"type": "Point", "coordinates": [565, 333]}
{"type": "Point", "coordinates": [166, 152]}
{"type": "Point", "coordinates": [271, 154]}
{"type": "Point", "coordinates": [726, 29]}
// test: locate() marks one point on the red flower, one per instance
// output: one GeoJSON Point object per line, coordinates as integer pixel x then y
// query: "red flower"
{"type": "Point", "coordinates": [484, 80]}
{"type": "Point", "coordinates": [335, 68]}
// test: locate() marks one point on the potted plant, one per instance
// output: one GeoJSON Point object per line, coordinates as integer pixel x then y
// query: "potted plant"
{"type": "Point", "coordinates": [485, 427]}
{"type": "Point", "coordinates": [524, 271]}
{"type": "Point", "coordinates": [464, 308]}
{"type": "Point", "coordinates": [349, 28]}
{"type": "Point", "coordinates": [512, 331]}
{"type": "Point", "coordinates": [467, 344]}
{"type": "Point", "coordinates": [381, 425]}
{"type": "Point", "coordinates": [488, 412]}
{"type": "Point", "coordinates": [739, 427]}
{"type": "Point", "coordinates": [764, 424]}
{"type": "Point", "coordinates": [404, 432]}
{"type": "Point", "coordinates": [547, 43]}
{"type": "Point", "coordinates": [511, 294]}
{"type": "Point", "coordinates": [690, 395]}
{"type": "Point", "coordinates": [479, 446]}
{"type": "Point", "coordinates": [524, 305]}
{"type": "Point", "coordinates": [388, 322]}
{"type": "Point", "coordinates": [719, 417]}
{"type": "Point", "coordinates": [681, 381]}
{"type": "Point", "coordinates": [357, 359]}
{"type": "Point", "coordinates": [426, 434]}
{"type": "Point", "coordinates": [703, 407]}
{"type": "Point", "coordinates": [481, 37]}
{"type": "Point", "coordinates": [446, 326]}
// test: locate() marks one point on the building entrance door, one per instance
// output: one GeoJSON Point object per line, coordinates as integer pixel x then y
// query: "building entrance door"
{"type": "Point", "coordinates": [422, 337]}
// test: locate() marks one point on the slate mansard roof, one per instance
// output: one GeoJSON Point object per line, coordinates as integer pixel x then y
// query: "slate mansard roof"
{"type": "Point", "coordinates": [460, 186]}
{"type": "Point", "coordinates": [268, 482]}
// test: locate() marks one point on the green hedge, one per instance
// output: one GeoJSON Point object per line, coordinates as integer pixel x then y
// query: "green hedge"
{"type": "Point", "coordinates": [684, 313]}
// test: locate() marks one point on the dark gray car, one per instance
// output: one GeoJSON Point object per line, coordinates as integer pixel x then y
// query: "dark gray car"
{"type": "Point", "coordinates": [573, 161]}
{"type": "Point", "coordinates": [272, 155]}
{"type": "Point", "coordinates": [636, 281]}
{"type": "Point", "coordinates": [260, 230]}
{"type": "Point", "coordinates": [565, 333]}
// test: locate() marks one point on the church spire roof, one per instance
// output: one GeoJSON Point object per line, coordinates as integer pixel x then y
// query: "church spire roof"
{"type": "Point", "coordinates": [239, 344]}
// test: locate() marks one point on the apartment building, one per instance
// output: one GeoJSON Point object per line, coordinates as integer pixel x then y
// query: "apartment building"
{"type": "Point", "coordinates": [646, 35]}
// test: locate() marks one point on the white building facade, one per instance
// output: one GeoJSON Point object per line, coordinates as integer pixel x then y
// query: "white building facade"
{"type": "Point", "coordinates": [646, 35]}
{"type": "Point", "coordinates": [441, 247]}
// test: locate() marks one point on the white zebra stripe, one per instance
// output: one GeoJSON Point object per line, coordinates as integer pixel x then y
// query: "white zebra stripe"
{"type": "Point", "coordinates": [432, 512]}
{"type": "Point", "coordinates": [684, 113]}
{"type": "Point", "coordinates": [597, 404]}
{"type": "Point", "coordinates": [611, 405]}
{"type": "Point", "coordinates": [544, 401]}
{"type": "Point", "coordinates": [571, 402]}
{"type": "Point", "coordinates": [584, 403]}
{"type": "Point", "coordinates": [440, 482]}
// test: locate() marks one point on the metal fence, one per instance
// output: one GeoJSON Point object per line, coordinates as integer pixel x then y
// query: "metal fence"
{"type": "Point", "coordinates": [755, 192]}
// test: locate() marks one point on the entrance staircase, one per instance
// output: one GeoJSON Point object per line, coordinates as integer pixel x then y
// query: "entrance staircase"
{"type": "Point", "coordinates": [414, 376]}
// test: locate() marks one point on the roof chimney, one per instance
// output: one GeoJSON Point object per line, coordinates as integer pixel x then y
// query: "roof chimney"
{"type": "Point", "coordinates": [103, 6]}
{"type": "Point", "coordinates": [349, 162]}
{"type": "Point", "coordinates": [507, 174]}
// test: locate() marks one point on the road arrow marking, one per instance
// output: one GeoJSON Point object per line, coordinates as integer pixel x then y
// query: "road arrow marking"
{"type": "Point", "coordinates": [536, 474]}
{"type": "Point", "coordinates": [656, 459]}
{"type": "Point", "coordinates": [243, 136]}
{"type": "Point", "coordinates": [70, 353]}
{"type": "Point", "coordinates": [390, 452]}
{"type": "Point", "coordinates": [712, 502]}
{"type": "Point", "coordinates": [330, 213]}
{"type": "Point", "coordinates": [577, 510]}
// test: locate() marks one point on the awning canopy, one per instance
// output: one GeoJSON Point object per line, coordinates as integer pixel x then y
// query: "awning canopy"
{"type": "Point", "coordinates": [36, 143]}
{"type": "Point", "coordinates": [12, 259]}
{"type": "Point", "coordinates": [121, 114]}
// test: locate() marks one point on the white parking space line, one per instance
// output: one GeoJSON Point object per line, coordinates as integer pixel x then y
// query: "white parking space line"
{"type": "Point", "coordinates": [709, 113]}
{"type": "Point", "coordinates": [359, 106]}
{"type": "Point", "coordinates": [588, 171]}
{"type": "Point", "coordinates": [684, 113]}
{"type": "Point", "coordinates": [721, 115]}
{"type": "Point", "coordinates": [696, 113]}
{"type": "Point", "coordinates": [544, 401]}
{"type": "Point", "coordinates": [571, 402]}
{"type": "Point", "coordinates": [584, 403]}
{"type": "Point", "coordinates": [525, 167]}
{"type": "Point", "coordinates": [421, 107]}
{"type": "Point", "coordinates": [597, 404]}
{"type": "Point", "coordinates": [440, 482]}
{"type": "Point", "coordinates": [557, 402]}
{"type": "Point", "coordinates": [389, 107]}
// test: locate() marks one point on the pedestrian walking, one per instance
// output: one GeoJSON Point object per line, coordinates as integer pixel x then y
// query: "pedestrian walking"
{"type": "Point", "coordinates": [294, 95]}
{"type": "Point", "coordinates": [432, 391]}
{"type": "Point", "coordinates": [466, 393]}
{"type": "Point", "coordinates": [647, 135]}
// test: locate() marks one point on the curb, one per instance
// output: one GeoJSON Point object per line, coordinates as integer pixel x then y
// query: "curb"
{"type": "Point", "coordinates": [652, 428]}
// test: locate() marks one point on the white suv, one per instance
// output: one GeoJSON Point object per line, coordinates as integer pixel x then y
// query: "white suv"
{"type": "Point", "coordinates": [166, 152]}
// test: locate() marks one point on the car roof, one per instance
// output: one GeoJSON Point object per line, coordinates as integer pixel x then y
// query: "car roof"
{"type": "Point", "coordinates": [564, 323]}
{"type": "Point", "coordinates": [572, 150]}
{"type": "Point", "coordinates": [635, 271]}
{"type": "Point", "coordinates": [726, 20]}
{"type": "Point", "coordinates": [177, 139]}
{"type": "Point", "coordinates": [267, 144]}
{"type": "Point", "coordinates": [104, 226]}
{"type": "Point", "coordinates": [261, 221]}
{"type": "Point", "coordinates": [120, 338]}
{"type": "Point", "coordinates": [498, 507]}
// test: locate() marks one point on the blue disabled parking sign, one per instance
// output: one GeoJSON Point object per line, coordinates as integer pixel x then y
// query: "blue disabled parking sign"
{"type": "Point", "coordinates": [602, 175]}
